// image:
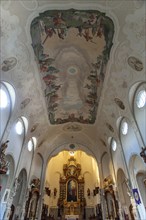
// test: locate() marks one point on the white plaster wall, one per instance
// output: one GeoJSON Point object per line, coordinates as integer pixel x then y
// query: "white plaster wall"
{"type": "Point", "coordinates": [118, 159]}
{"type": "Point", "coordinates": [25, 160]}
{"type": "Point", "coordinates": [15, 144]}
{"type": "Point", "coordinates": [105, 165]}
{"type": "Point", "coordinates": [36, 166]}
{"type": "Point", "coordinates": [130, 143]}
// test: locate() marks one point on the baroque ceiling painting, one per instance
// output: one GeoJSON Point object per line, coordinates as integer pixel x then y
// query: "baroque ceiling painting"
{"type": "Point", "coordinates": [72, 49]}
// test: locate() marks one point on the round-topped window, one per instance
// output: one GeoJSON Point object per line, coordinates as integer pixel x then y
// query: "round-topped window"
{"type": "Point", "coordinates": [124, 127]}
{"type": "Point", "coordinates": [19, 127]}
{"type": "Point", "coordinates": [141, 99]}
{"type": "Point", "coordinates": [30, 145]}
{"type": "Point", "coordinates": [113, 144]}
{"type": "Point", "coordinates": [3, 99]}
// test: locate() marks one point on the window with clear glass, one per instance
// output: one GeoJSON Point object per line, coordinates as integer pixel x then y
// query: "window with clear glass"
{"type": "Point", "coordinates": [113, 144]}
{"type": "Point", "coordinates": [34, 142]}
{"type": "Point", "coordinates": [19, 127]}
{"type": "Point", "coordinates": [141, 99]}
{"type": "Point", "coordinates": [3, 99]}
{"type": "Point", "coordinates": [124, 127]}
{"type": "Point", "coordinates": [30, 145]}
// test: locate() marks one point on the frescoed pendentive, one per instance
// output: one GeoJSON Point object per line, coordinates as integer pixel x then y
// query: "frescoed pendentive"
{"type": "Point", "coordinates": [72, 49]}
{"type": "Point", "coordinates": [73, 127]}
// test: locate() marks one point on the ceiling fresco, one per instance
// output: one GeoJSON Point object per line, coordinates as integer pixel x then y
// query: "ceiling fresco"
{"type": "Point", "coordinates": [72, 48]}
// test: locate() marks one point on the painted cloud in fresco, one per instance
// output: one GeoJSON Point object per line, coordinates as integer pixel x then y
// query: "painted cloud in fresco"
{"type": "Point", "coordinates": [72, 49]}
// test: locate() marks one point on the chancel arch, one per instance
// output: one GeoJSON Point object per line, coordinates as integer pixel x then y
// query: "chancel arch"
{"type": "Point", "coordinates": [74, 186]}
{"type": "Point", "coordinates": [18, 193]}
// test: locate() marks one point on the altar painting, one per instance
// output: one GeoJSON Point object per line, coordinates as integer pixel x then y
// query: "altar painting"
{"type": "Point", "coordinates": [71, 191]}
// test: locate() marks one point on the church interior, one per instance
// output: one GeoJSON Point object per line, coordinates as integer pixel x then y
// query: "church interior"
{"type": "Point", "coordinates": [73, 110]}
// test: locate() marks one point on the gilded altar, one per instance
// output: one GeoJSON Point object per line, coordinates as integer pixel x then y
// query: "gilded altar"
{"type": "Point", "coordinates": [71, 199]}
{"type": "Point", "coordinates": [71, 208]}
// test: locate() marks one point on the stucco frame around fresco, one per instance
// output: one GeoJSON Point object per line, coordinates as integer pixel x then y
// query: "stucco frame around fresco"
{"type": "Point", "coordinates": [72, 49]}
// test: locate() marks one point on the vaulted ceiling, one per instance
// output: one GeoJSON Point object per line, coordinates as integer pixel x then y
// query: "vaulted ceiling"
{"type": "Point", "coordinates": [72, 68]}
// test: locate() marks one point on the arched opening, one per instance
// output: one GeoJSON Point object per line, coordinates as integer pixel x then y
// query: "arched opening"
{"type": "Point", "coordinates": [7, 101]}
{"type": "Point", "coordinates": [105, 163]}
{"type": "Point", "coordinates": [32, 203]}
{"type": "Point", "coordinates": [124, 193]}
{"type": "Point", "coordinates": [18, 193]}
{"type": "Point", "coordinates": [16, 138]}
{"type": "Point", "coordinates": [138, 96]}
{"type": "Point", "coordinates": [138, 177]}
{"type": "Point", "coordinates": [71, 191]}
{"type": "Point", "coordinates": [110, 204]}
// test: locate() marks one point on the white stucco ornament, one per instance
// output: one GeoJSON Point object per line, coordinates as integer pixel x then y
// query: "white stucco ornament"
{"type": "Point", "coordinates": [29, 5]}
{"type": "Point", "coordinates": [5, 4]}
{"type": "Point", "coordinates": [134, 29]}
{"type": "Point", "coordinates": [10, 28]}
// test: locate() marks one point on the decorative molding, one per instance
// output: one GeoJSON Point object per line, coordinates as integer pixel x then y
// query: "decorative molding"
{"type": "Point", "coordinates": [134, 30]}
{"type": "Point", "coordinates": [29, 5]}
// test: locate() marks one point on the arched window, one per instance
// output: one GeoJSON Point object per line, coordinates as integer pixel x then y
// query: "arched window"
{"type": "Point", "coordinates": [7, 101]}
{"type": "Point", "coordinates": [141, 99]}
{"type": "Point", "coordinates": [17, 136]}
{"type": "Point", "coordinates": [105, 163]}
{"type": "Point", "coordinates": [139, 109]}
{"type": "Point", "coordinates": [128, 138]}
{"type": "Point", "coordinates": [113, 144]}
{"type": "Point", "coordinates": [21, 125]}
{"type": "Point", "coordinates": [32, 144]}
{"type": "Point", "coordinates": [124, 127]}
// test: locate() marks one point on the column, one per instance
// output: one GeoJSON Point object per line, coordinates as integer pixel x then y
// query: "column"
{"type": "Point", "coordinates": [135, 210]}
{"type": "Point", "coordinates": [8, 209]}
{"type": "Point", "coordinates": [101, 191]}
{"type": "Point", "coordinates": [40, 201]}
